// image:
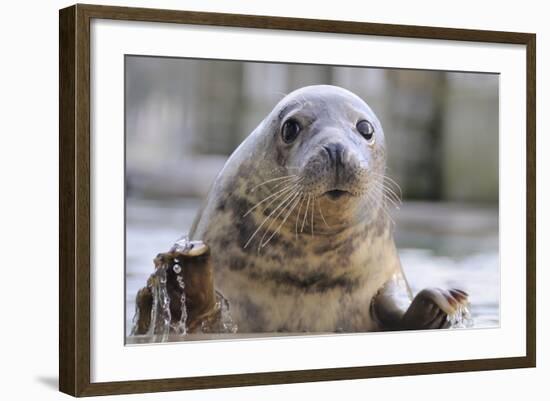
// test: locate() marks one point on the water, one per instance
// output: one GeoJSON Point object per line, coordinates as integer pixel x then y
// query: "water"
{"type": "Point", "coordinates": [440, 245]}
{"type": "Point", "coordinates": [162, 327]}
{"type": "Point", "coordinates": [462, 318]}
{"type": "Point", "coordinates": [160, 313]}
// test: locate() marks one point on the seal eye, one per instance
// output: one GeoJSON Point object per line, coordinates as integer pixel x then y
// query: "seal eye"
{"type": "Point", "coordinates": [366, 130]}
{"type": "Point", "coordinates": [290, 131]}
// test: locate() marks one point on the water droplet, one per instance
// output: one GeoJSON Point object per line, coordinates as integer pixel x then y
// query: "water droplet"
{"type": "Point", "coordinates": [462, 318]}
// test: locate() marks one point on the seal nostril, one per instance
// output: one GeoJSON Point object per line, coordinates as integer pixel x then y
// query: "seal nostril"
{"type": "Point", "coordinates": [329, 152]}
{"type": "Point", "coordinates": [335, 152]}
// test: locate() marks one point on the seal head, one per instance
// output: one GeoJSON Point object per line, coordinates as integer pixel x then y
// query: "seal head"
{"type": "Point", "coordinates": [334, 144]}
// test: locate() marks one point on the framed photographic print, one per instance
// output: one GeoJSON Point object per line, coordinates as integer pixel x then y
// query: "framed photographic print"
{"type": "Point", "coordinates": [252, 200]}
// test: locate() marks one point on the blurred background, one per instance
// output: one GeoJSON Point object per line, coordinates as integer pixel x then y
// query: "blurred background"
{"type": "Point", "coordinates": [184, 117]}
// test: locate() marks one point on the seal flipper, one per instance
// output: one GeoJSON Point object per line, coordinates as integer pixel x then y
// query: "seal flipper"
{"type": "Point", "coordinates": [188, 279]}
{"type": "Point", "coordinates": [429, 309]}
{"type": "Point", "coordinates": [390, 304]}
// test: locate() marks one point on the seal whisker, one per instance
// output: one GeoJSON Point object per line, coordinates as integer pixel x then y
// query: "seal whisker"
{"type": "Point", "coordinates": [267, 218]}
{"type": "Point", "coordinates": [394, 183]}
{"type": "Point", "coordinates": [389, 199]}
{"type": "Point", "coordinates": [395, 205]}
{"type": "Point", "coordinates": [303, 100]}
{"type": "Point", "coordinates": [305, 215]}
{"type": "Point", "coordinates": [302, 199]}
{"type": "Point", "coordinates": [389, 192]}
{"type": "Point", "coordinates": [277, 195]}
{"type": "Point", "coordinates": [391, 181]}
{"type": "Point", "coordinates": [321, 212]}
{"type": "Point", "coordinates": [369, 199]}
{"type": "Point", "coordinates": [388, 215]}
{"type": "Point", "coordinates": [390, 196]}
{"type": "Point", "coordinates": [294, 180]}
{"type": "Point", "coordinates": [285, 178]}
{"type": "Point", "coordinates": [312, 211]}
{"type": "Point", "coordinates": [287, 203]}
{"type": "Point", "coordinates": [387, 187]}
{"type": "Point", "coordinates": [382, 204]}
{"type": "Point", "coordinates": [390, 189]}
{"type": "Point", "coordinates": [290, 210]}
{"type": "Point", "coordinates": [388, 177]}
{"type": "Point", "coordinates": [282, 94]}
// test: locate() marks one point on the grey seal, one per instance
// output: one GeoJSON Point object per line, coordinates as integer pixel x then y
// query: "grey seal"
{"type": "Point", "coordinates": [298, 228]}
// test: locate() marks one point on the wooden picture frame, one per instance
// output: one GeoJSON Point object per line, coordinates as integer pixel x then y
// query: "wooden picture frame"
{"type": "Point", "coordinates": [75, 207]}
